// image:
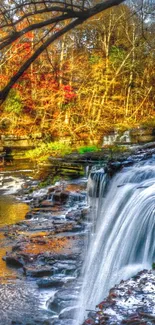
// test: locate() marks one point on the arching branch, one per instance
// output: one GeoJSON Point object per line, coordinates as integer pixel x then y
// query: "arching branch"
{"type": "Point", "coordinates": [16, 35]}
{"type": "Point", "coordinates": [84, 15]}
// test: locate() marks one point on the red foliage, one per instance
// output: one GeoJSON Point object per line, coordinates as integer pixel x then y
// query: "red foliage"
{"type": "Point", "coordinates": [69, 93]}
{"type": "Point", "coordinates": [89, 321]}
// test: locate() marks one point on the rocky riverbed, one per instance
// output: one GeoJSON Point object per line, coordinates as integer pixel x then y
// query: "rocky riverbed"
{"type": "Point", "coordinates": [45, 254]}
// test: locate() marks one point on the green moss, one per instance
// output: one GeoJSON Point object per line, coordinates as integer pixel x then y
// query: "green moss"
{"type": "Point", "coordinates": [49, 181]}
{"type": "Point", "coordinates": [115, 150]}
{"type": "Point", "coordinates": [85, 149]}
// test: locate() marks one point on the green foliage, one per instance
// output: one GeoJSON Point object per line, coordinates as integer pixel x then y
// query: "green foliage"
{"type": "Point", "coordinates": [5, 124]}
{"type": "Point", "coordinates": [153, 266]}
{"type": "Point", "coordinates": [56, 149]}
{"type": "Point", "coordinates": [13, 103]}
{"type": "Point", "coordinates": [50, 180]}
{"type": "Point", "coordinates": [149, 123]}
{"type": "Point", "coordinates": [85, 149]}
{"type": "Point", "coordinates": [117, 54]}
{"type": "Point", "coordinates": [44, 150]}
{"type": "Point", "coordinates": [94, 59]}
{"type": "Point", "coordinates": [44, 183]}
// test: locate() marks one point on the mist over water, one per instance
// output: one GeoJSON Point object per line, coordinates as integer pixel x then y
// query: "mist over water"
{"type": "Point", "coordinates": [123, 242]}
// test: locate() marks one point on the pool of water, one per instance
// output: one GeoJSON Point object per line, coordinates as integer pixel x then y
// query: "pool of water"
{"type": "Point", "coordinates": [11, 210]}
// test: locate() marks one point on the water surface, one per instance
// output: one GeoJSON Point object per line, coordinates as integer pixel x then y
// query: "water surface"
{"type": "Point", "coordinates": [11, 211]}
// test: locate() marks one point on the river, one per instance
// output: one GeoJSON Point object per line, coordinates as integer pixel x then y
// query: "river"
{"type": "Point", "coordinates": [122, 210]}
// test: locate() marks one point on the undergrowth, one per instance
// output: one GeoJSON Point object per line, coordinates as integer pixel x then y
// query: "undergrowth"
{"type": "Point", "coordinates": [56, 149]}
{"type": "Point", "coordinates": [44, 150]}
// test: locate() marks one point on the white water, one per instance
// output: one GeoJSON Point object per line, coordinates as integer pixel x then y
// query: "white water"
{"type": "Point", "coordinates": [97, 183]}
{"type": "Point", "coordinates": [123, 243]}
{"type": "Point", "coordinates": [10, 184]}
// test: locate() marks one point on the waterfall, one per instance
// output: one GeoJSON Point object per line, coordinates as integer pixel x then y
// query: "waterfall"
{"type": "Point", "coordinates": [123, 242]}
{"type": "Point", "coordinates": [97, 184]}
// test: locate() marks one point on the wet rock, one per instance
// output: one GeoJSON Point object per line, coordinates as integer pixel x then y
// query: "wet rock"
{"type": "Point", "coordinates": [65, 268]}
{"type": "Point", "coordinates": [130, 302]}
{"type": "Point", "coordinates": [58, 306]}
{"type": "Point", "coordinates": [29, 215]}
{"type": "Point", "coordinates": [38, 271]}
{"type": "Point", "coordinates": [68, 312]}
{"type": "Point", "coordinates": [50, 282]}
{"type": "Point", "coordinates": [61, 196]}
{"type": "Point", "coordinates": [73, 215]}
{"type": "Point", "coordinates": [52, 189]}
{"type": "Point", "coordinates": [67, 295]}
{"type": "Point", "coordinates": [63, 299]}
{"type": "Point", "coordinates": [65, 322]}
{"type": "Point", "coordinates": [13, 261]}
{"type": "Point", "coordinates": [89, 321]}
{"type": "Point", "coordinates": [46, 203]}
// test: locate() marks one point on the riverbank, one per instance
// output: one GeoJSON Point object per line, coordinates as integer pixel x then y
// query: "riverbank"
{"type": "Point", "coordinates": [45, 253]}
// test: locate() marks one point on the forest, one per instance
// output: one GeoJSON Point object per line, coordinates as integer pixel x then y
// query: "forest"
{"type": "Point", "coordinates": [94, 78]}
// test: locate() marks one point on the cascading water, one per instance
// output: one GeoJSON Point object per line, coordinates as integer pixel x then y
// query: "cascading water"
{"type": "Point", "coordinates": [123, 242]}
{"type": "Point", "coordinates": [97, 183]}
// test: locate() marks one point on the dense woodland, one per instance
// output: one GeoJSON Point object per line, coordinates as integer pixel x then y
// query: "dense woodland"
{"type": "Point", "coordinates": [94, 78]}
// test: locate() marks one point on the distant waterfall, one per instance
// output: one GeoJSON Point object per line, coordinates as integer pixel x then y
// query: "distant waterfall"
{"type": "Point", "coordinates": [124, 241]}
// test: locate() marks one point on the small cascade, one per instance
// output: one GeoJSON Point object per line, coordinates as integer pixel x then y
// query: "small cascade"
{"type": "Point", "coordinates": [10, 184]}
{"type": "Point", "coordinates": [97, 182]}
{"type": "Point", "coordinates": [123, 243]}
{"type": "Point", "coordinates": [96, 187]}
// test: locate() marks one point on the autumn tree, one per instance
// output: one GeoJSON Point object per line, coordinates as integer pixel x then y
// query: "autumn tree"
{"type": "Point", "coordinates": [115, 90]}
{"type": "Point", "coordinates": [96, 76]}
{"type": "Point", "coordinates": [42, 15]}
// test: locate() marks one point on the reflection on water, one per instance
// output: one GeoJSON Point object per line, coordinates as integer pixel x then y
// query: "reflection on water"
{"type": "Point", "coordinates": [11, 211]}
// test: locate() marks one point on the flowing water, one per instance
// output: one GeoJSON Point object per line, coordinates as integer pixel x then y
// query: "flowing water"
{"type": "Point", "coordinates": [123, 242]}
